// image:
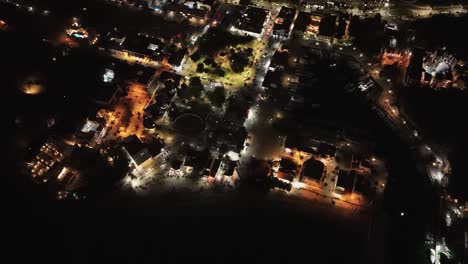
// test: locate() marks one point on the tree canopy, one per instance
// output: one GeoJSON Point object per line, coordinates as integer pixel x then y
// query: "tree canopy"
{"type": "Point", "coordinates": [217, 96]}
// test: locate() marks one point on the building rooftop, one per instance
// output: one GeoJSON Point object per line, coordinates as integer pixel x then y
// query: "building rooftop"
{"type": "Point", "coordinates": [196, 159]}
{"type": "Point", "coordinates": [252, 19]}
{"type": "Point", "coordinates": [145, 45]}
{"type": "Point", "coordinates": [136, 149]}
{"type": "Point", "coordinates": [302, 21]}
{"type": "Point", "coordinates": [327, 26]}
{"type": "Point", "coordinates": [313, 169]}
{"type": "Point", "coordinates": [114, 39]}
{"type": "Point", "coordinates": [280, 58]}
{"type": "Point", "coordinates": [287, 12]}
{"type": "Point", "coordinates": [186, 10]}
{"type": "Point", "coordinates": [230, 167]}
{"type": "Point", "coordinates": [209, 2]}
{"type": "Point", "coordinates": [214, 167]}
{"type": "Point", "coordinates": [345, 180]}
{"type": "Point", "coordinates": [273, 79]}
{"type": "Point", "coordinates": [287, 165]}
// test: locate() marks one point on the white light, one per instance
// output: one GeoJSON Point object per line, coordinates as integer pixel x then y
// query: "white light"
{"type": "Point", "coordinates": [386, 4]}
{"type": "Point", "coordinates": [108, 76]}
{"type": "Point", "coordinates": [298, 185]}
{"type": "Point", "coordinates": [402, 214]}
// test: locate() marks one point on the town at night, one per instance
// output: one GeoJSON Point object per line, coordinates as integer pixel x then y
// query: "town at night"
{"type": "Point", "coordinates": [293, 131]}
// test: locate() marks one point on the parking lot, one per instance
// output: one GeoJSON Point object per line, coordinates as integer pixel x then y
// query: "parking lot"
{"type": "Point", "coordinates": [126, 117]}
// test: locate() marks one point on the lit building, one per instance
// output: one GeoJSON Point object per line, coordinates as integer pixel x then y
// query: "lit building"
{"type": "Point", "coordinates": [284, 22]}
{"type": "Point", "coordinates": [90, 134]}
{"type": "Point", "coordinates": [50, 155]}
{"type": "Point", "coordinates": [252, 21]}
{"type": "Point", "coordinates": [313, 27]}
{"type": "Point", "coordinates": [3, 25]}
{"type": "Point", "coordinates": [144, 49]}
{"type": "Point", "coordinates": [440, 70]}
{"type": "Point", "coordinates": [194, 11]}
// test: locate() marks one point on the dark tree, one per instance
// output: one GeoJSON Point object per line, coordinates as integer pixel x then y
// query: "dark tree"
{"type": "Point", "coordinates": [200, 67]}
{"type": "Point", "coordinates": [239, 60]}
{"type": "Point", "coordinates": [218, 96]}
{"type": "Point", "coordinates": [193, 90]}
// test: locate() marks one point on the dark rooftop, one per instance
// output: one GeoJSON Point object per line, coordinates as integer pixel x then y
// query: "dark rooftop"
{"type": "Point", "coordinates": [209, 2]}
{"type": "Point", "coordinates": [136, 149]}
{"type": "Point", "coordinates": [252, 19]}
{"type": "Point", "coordinates": [231, 166]}
{"type": "Point", "coordinates": [280, 58]}
{"type": "Point", "coordinates": [327, 26]}
{"type": "Point", "coordinates": [302, 21]}
{"type": "Point", "coordinates": [214, 168]}
{"type": "Point", "coordinates": [313, 169]}
{"type": "Point", "coordinates": [196, 159]}
{"type": "Point", "coordinates": [145, 45]}
{"type": "Point", "coordinates": [273, 79]}
{"type": "Point", "coordinates": [287, 165]}
{"type": "Point", "coordinates": [287, 12]}
{"type": "Point", "coordinates": [345, 180]}
{"type": "Point", "coordinates": [133, 145]}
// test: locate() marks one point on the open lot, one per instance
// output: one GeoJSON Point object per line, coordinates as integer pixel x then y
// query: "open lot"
{"type": "Point", "coordinates": [126, 117]}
